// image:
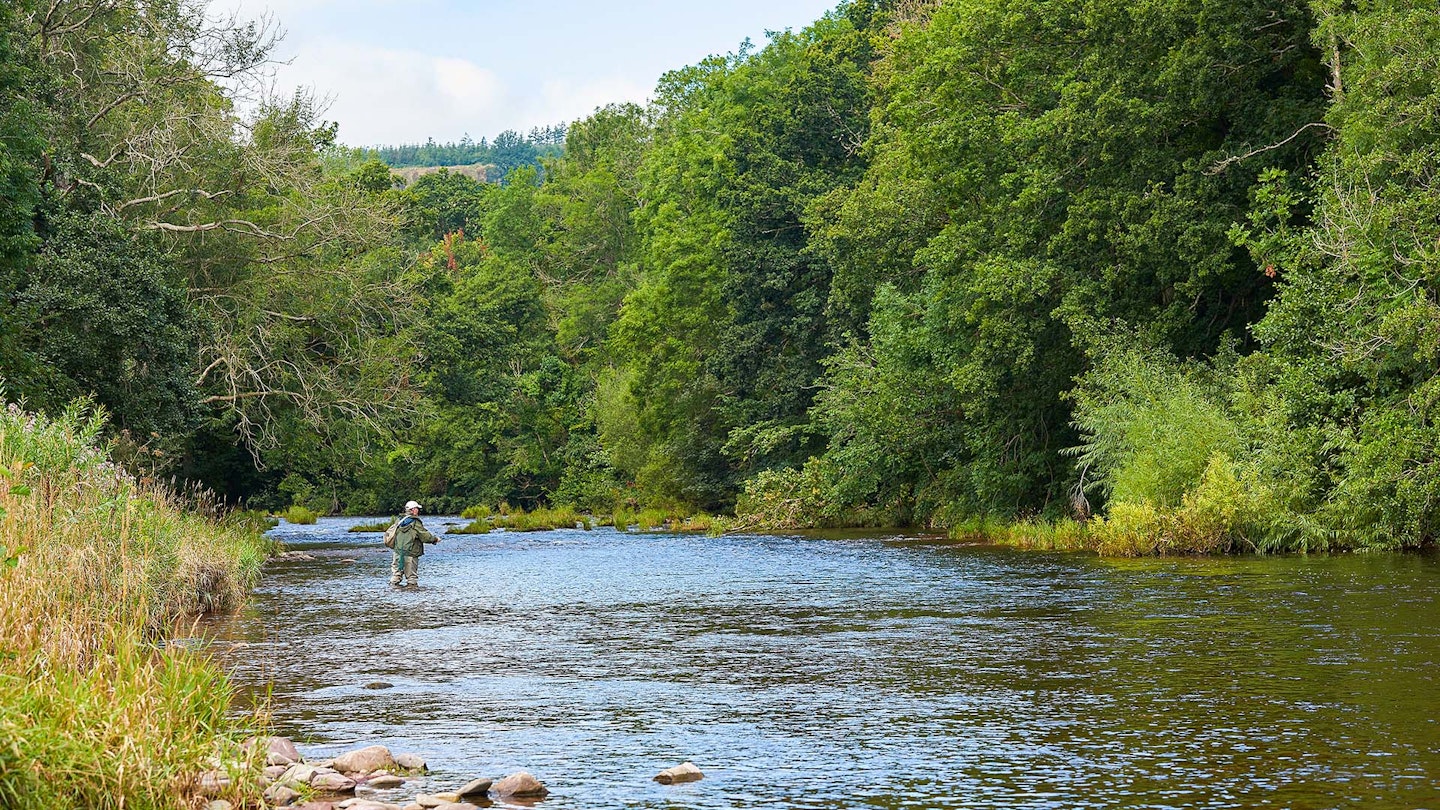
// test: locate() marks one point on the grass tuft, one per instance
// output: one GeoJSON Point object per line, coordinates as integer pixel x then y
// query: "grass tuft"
{"type": "Point", "coordinates": [96, 710]}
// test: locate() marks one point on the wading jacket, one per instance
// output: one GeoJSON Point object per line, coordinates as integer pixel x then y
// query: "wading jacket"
{"type": "Point", "coordinates": [411, 537]}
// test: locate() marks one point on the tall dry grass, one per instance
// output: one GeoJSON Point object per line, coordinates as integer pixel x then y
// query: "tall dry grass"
{"type": "Point", "coordinates": [96, 710]}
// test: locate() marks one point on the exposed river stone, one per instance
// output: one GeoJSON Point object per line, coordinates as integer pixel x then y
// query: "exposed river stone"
{"type": "Point", "coordinates": [366, 804]}
{"type": "Point", "coordinates": [520, 784]}
{"type": "Point", "coordinates": [426, 800]}
{"type": "Point", "coordinates": [332, 783]}
{"type": "Point", "coordinates": [379, 685]}
{"type": "Point", "coordinates": [365, 760]}
{"type": "Point", "coordinates": [684, 772]}
{"type": "Point", "coordinates": [281, 795]}
{"type": "Point", "coordinates": [211, 783]}
{"type": "Point", "coordinates": [411, 762]}
{"type": "Point", "coordinates": [475, 787]}
{"type": "Point", "coordinates": [384, 781]}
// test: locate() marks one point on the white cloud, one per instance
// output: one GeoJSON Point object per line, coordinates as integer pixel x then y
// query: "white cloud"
{"type": "Point", "coordinates": [391, 96]}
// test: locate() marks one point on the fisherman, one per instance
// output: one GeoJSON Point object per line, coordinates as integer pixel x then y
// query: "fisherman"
{"type": "Point", "coordinates": [410, 539]}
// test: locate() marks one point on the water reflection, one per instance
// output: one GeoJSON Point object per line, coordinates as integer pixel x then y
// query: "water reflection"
{"type": "Point", "coordinates": [840, 672]}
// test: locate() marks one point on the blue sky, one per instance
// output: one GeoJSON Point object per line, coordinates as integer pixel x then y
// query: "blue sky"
{"type": "Point", "coordinates": [399, 72]}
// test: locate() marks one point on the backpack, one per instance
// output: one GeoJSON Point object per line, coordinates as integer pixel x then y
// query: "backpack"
{"type": "Point", "coordinates": [390, 534]}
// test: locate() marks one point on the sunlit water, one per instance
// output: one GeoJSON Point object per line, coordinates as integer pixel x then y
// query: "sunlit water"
{"type": "Point", "coordinates": [858, 672]}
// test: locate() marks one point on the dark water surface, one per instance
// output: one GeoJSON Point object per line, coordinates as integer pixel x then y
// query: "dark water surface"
{"type": "Point", "coordinates": [885, 673]}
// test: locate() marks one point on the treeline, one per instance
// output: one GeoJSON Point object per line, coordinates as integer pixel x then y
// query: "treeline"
{"type": "Point", "coordinates": [510, 151]}
{"type": "Point", "coordinates": [1147, 277]}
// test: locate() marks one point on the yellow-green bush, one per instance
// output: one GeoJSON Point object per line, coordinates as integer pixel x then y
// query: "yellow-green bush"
{"type": "Point", "coordinates": [477, 512]}
{"type": "Point", "coordinates": [96, 710]}
{"type": "Point", "coordinates": [1226, 511]}
{"type": "Point", "coordinates": [301, 515]}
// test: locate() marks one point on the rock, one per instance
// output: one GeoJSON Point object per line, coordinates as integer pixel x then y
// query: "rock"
{"type": "Point", "coordinates": [684, 772]}
{"type": "Point", "coordinates": [476, 787]}
{"type": "Point", "coordinates": [365, 760]}
{"type": "Point", "coordinates": [457, 806]}
{"type": "Point", "coordinates": [315, 806]}
{"type": "Point", "coordinates": [274, 745]}
{"type": "Point", "coordinates": [212, 783]}
{"type": "Point", "coordinates": [412, 806]}
{"type": "Point", "coordinates": [280, 795]}
{"type": "Point", "coordinates": [379, 685]}
{"type": "Point", "coordinates": [411, 762]}
{"type": "Point", "coordinates": [276, 758]}
{"type": "Point", "coordinates": [426, 800]}
{"type": "Point", "coordinates": [366, 804]}
{"type": "Point", "coordinates": [297, 776]}
{"type": "Point", "coordinates": [219, 804]}
{"type": "Point", "coordinates": [520, 783]}
{"type": "Point", "coordinates": [333, 783]}
{"type": "Point", "coordinates": [293, 556]}
{"type": "Point", "coordinates": [384, 781]}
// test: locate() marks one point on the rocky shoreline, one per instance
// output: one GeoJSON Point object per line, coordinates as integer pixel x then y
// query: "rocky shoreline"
{"type": "Point", "coordinates": [342, 783]}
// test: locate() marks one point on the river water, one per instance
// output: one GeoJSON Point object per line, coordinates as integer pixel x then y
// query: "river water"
{"type": "Point", "coordinates": [880, 672]}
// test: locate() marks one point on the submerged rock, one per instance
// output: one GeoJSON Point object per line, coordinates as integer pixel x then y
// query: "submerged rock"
{"type": "Point", "coordinates": [521, 784]}
{"type": "Point", "coordinates": [379, 685]}
{"type": "Point", "coordinates": [684, 772]}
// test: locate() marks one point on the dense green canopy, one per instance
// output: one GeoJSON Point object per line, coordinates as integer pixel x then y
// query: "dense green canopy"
{"type": "Point", "coordinates": [1168, 263]}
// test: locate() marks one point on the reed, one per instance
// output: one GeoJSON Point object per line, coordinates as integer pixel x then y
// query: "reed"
{"type": "Point", "coordinates": [96, 709]}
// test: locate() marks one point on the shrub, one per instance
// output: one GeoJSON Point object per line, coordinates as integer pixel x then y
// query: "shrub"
{"type": "Point", "coordinates": [300, 515]}
{"type": "Point", "coordinates": [1150, 427]}
{"type": "Point", "coordinates": [477, 512]}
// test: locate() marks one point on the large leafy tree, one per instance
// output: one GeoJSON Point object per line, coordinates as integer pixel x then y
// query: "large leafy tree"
{"type": "Point", "coordinates": [1044, 175]}
{"type": "Point", "coordinates": [719, 344]}
{"type": "Point", "coordinates": [1345, 390]}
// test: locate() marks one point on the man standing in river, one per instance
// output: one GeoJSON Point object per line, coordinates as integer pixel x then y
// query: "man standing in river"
{"type": "Point", "coordinates": [410, 539]}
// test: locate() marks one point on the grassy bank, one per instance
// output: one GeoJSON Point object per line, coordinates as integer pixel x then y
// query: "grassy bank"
{"type": "Point", "coordinates": [96, 711]}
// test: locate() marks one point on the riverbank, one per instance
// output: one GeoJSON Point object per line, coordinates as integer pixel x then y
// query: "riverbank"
{"type": "Point", "coordinates": [96, 709]}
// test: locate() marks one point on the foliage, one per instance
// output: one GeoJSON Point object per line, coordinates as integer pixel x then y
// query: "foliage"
{"type": "Point", "coordinates": [300, 515]}
{"type": "Point", "coordinates": [510, 150]}
{"type": "Point", "coordinates": [1150, 427]}
{"type": "Point", "coordinates": [96, 710]}
{"type": "Point", "coordinates": [519, 520]}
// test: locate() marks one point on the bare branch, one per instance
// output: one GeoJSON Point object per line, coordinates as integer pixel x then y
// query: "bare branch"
{"type": "Point", "coordinates": [1226, 163]}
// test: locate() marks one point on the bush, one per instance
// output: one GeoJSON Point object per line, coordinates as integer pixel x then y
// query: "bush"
{"type": "Point", "coordinates": [477, 512]}
{"type": "Point", "coordinates": [300, 515]}
{"type": "Point", "coordinates": [1227, 511]}
{"type": "Point", "coordinates": [1150, 427]}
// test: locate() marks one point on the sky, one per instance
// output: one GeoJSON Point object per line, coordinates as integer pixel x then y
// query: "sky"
{"type": "Point", "coordinates": [402, 71]}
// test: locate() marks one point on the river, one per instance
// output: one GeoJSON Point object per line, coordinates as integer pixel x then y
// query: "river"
{"type": "Point", "coordinates": [855, 671]}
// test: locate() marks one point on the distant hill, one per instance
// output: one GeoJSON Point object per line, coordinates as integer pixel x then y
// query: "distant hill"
{"type": "Point", "coordinates": [480, 172]}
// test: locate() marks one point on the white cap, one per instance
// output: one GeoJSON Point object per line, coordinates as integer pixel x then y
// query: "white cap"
{"type": "Point", "coordinates": [411, 505]}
